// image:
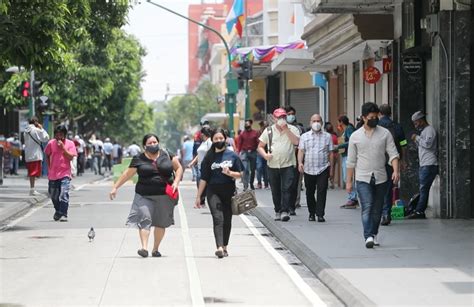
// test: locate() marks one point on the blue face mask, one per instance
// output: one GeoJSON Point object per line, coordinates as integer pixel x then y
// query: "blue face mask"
{"type": "Point", "coordinates": [290, 119]}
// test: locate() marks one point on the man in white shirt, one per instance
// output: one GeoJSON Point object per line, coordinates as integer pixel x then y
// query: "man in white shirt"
{"type": "Point", "coordinates": [108, 148]}
{"type": "Point", "coordinates": [133, 150]}
{"type": "Point", "coordinates": [34, 136]}
{"type": "Point", "coordinates": [366, 154]}
{"type": "Point", "coordinates": [315, 161]}
{"type": "Point", "coordinates": [281, 158]}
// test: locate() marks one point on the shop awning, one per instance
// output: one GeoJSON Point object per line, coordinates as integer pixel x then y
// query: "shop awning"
{"type": "Point", "coordinates": [263, 54]}
{"type": "Point", "coordinates": [350, 6]}
{"type": "Point", "coordinates": [298, 60]}
{"type": "Point", "coordinates": [341, 38]}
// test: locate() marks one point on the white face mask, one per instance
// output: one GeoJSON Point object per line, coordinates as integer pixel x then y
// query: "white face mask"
{"type": "Point", "coordinates": [316, 126]}
{"type": "Point", "coordinates": [281, 122]}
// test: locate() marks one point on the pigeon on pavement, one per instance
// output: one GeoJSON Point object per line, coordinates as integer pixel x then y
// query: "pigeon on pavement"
{"type": "Point", "coordinates": [91, 234]}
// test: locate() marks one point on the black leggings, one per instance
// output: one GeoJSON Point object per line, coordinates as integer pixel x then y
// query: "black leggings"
{"type": "Point", "coordinates": [219, 199]}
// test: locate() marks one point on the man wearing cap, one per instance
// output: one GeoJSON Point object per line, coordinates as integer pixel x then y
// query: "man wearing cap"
{"type": "Point", "coordinates": [428, 155]}
{"type": "Point", "coordinates": [280, 139]}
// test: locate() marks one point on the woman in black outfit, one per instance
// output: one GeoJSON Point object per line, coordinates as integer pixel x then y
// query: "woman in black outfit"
{"type": "Point", "coordinates": [219, 170]}
{"type": "Point", "coordinates": [151, 206]}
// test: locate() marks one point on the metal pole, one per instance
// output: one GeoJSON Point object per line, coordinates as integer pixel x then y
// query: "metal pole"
{"type": "Point", "coordinates": [230, 92]}
{"type": "Point", "coordinates": [32, 96]}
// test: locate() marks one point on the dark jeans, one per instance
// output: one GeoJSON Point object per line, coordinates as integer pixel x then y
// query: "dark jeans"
{"type": "Point", "coordinates": [319, 183]}
{"type": "Point", "coordinates": [281, 180]}
{"type": "Point", "coordinates": [427, 174]}
{"type": "Point", "coordinates": [262, 170]}
{"type": "Point", "coordinates": [81, 161]}
{"type": "Point", "coordinates": [387, 203]}
{"type": "Point", "coordinates": [371, 201]}
{"type": "Point", "coordinates": [249, 160]}
{"type": "Point", "coordinates": [97, 164]}
{"type": "Point", "coordinates": [219, 198]}
{"type": "Point", "coordinates": [59, 192]}
{"type": "Point", "coordinates": [294, 189]}
{"type": "Point", "coordinates": [108, 162]}
{"type": "Point", "coordinates": [198, 179]}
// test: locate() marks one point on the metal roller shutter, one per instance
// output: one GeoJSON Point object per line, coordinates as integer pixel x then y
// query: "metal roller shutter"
{"type": "Point", "coordinates": [305, 102]}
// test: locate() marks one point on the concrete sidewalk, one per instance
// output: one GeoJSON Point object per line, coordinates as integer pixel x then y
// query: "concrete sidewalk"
{"type": "Point", "coordinates": [14, 193]}
{"type": "Point", "coordinates": [419, 262]}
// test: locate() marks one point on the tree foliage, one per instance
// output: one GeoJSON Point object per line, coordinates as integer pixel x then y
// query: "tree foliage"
{"type": "Point", "coordinates": [182, 113]}
{"type": "Point", "coordinates": [92, 69]}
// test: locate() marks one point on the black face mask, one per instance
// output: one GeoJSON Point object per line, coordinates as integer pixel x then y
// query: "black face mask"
{"type": "Point", "coordinates": [219, 145]}
{"type": "Point", "coordinates": [372, 123]}
{"type": "Point", "coordinates": [153, 149]}
{"type": "Point", "coordinates": [248, 127]}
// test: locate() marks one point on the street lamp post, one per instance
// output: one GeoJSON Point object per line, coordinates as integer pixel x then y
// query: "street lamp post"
{"type": "Point", "coordinates": [232, 83]}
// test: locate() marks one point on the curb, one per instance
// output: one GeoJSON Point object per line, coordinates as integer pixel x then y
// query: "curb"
{"type": "Point", "coordinates": [22, 206]}
{"type": "Point", "coordinates": [340, 286]}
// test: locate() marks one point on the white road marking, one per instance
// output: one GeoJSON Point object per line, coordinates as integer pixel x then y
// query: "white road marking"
{"type": "Point", "coordinates": [194, 281]}
{"type": "Point", "coordinates": [294, 276]}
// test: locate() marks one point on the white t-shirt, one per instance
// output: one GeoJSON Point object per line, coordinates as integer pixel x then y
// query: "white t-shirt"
{"type": "Point", "coordinates": [202, 150]}
{"type": "Point", "coordinates": [133, 150]}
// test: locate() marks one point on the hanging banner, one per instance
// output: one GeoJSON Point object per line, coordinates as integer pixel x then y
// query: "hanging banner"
{"type": "Point", "coordinates": [372, 75]}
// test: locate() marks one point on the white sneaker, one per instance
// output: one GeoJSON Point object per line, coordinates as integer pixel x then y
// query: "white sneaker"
{"type": "Point", "coordinates": [63, 218]}
{"type": "Point", "coordinates": [278, 216]}
{"type": "Point", "coordinates": [34, 193]}
{"type": "Point", "coordinates": [376, 242]}
{"type": "Point", "coordinates": [369, 242]}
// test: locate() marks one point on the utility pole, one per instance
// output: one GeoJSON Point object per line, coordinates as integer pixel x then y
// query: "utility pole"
{"type": "Point", "coordinates": [247, 43]}
{"type": "Point", "coordinates": [232, 82]}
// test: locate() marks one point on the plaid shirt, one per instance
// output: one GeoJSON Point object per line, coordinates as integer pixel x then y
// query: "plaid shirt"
{"type": "Point", "coordinates": [316, 147]}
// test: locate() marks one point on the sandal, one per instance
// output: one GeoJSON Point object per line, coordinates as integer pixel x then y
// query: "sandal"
{"type": "Point", "coordinates": [143, 252]}
{"type": "Point", "coordinates": [156, 254]}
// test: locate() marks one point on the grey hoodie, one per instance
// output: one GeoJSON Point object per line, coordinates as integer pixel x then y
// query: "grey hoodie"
{"type": "Point", "coordinates": [33, 151]}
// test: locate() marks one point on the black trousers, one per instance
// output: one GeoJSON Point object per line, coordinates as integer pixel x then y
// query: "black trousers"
{"type": "Point", "coordinates": [319, 182]}
{"type": "Point", "coordinates": [281, 180]}
{"type": "Point", "coordinates": [219, 198]}
{"type": "Point", "coordinates": [294, 190]}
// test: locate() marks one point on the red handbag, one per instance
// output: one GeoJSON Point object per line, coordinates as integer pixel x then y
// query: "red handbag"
{"type": "Point", "coordinates": [170, 193]}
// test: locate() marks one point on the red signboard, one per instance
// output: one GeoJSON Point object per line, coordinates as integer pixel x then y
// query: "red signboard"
{"type": "Point", "coordinates": [387, 65]}
{"type": "Point", "coordinates": [372, 75]}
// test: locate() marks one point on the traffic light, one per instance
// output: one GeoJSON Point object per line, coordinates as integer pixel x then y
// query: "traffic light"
{"type": "Point", "coordinates": [25, 89]}
{"type": "Point", "coordinates": [37, 90]}
{"type": "Point", "coordinates": [247, 69]}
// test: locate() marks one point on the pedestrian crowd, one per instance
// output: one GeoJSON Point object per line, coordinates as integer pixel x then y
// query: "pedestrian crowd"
{"type": "Point", "coordinates": [282, 156]}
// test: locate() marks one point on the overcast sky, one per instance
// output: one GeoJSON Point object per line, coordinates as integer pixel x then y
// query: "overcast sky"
{"type": "Point", "coordinates": [165, 37]}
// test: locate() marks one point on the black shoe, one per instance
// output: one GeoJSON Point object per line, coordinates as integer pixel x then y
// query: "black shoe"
{"type": "Point", "coordinates": [385, 220]}
{"type": "Point", "coordinates": [56, 216]}
{"type": "Point", "coordinates": [226, 254]}
{"type": "Point", "coordinates": [285, 217]}
{"type": "Point", "coordinates": [252, 187]}
{"type": "Point", "coordinates": [143, 252]}
{"type": "Point", "coordinates": [292, 212]}
{"type": "Point", "coordinates": [312, 218]}
{"type": "Point", "coordinates": [416, 215]}
{"type": "Point", "coordinates": [219, 254]}
{"type": "Point", "coordinates": [156, 254]}
{"type": "Point", "coordinates": [321, 219]}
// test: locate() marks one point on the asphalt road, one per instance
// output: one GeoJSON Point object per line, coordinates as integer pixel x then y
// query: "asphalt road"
{"type": "Point", "coordinates": [48, 263]}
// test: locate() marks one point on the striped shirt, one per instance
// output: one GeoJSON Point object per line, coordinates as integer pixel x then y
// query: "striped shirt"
{"type": "Point", "coordinates": [316, 147]}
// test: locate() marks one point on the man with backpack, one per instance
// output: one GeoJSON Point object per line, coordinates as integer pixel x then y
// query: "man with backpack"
{"type": "Point", "coordinates": [398, 135]}
{"type": "Point", "coordinates": [281, 139]}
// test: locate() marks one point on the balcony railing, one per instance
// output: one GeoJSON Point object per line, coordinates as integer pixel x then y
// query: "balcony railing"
{"type": "Point", "coordinates": [350, 7]}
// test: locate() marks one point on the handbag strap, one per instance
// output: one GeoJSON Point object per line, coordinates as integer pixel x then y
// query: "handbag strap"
{"type": "Point", "coordinates": [35, 140]}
